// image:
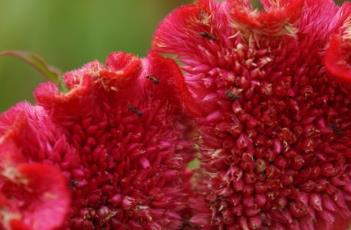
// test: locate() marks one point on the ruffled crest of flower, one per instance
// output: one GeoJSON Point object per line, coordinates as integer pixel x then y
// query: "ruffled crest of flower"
{"type": "Point", "coordinates": [277, 19]}
{"type": "Point", "coordinates": [275, 125]}
{"type": "Point", "coordinates": [119, 136]}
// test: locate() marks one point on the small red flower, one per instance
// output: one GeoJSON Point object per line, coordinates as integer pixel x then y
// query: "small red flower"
{"type": "Point", "coordinates": [120, 138]}
{"type": "Point", "coordinates": [32, 195]}
{"type": "Point", "coordinates": [273, 89]}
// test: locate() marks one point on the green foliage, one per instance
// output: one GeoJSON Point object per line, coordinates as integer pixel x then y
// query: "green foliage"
{"type": "Point", "coordinates": [48, 72]}
{"type": "Point", "coordinates": [70, 33]}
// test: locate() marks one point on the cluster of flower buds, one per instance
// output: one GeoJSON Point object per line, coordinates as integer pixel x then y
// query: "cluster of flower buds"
{"type": "Point", "coordinates": [261, 98]}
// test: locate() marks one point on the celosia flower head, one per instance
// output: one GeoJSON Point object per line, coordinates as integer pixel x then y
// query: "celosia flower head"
{"type": "Point", "coordinates": [111, 153]}
{"type": "Point", "coordinates": [273, 89]}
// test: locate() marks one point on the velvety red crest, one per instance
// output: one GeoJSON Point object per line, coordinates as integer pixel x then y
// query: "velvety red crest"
{"type": "Point", "coordinates": [174, 29]}
{"type": "Point", "coordinates": [277, 19]}
{"type": "Point", "coordinates": [49, 96]}
{"type": "Point", "coordinates": [122, 70]}
{"type": "Point", "coordinates": [121, 75]}
{"type": "Point", "coordinates": [79, 97]}
{"type": "Point", "coordinates": [131, 141]}
{"type": "Point", "coordinates": [201, 25]}
{"type": "Point", "coordinates": [193, 33]}
{"type": "Point", "coordinates": [268, 138]}
{"type": "Point", "coordinates": [124, 64]}
{"type": "Point", "coordinates": [123, 78]}
{"type": "Point", "coordinates": [338, 58]}
{"type": "Point", "coordinates": [37, 196]}
{"type": "Point", "coordinates": [75, 79]}
{"type": "Point", "coordinates": [90, 81]}
{"type": "Point", "coordinates": [164, 80]}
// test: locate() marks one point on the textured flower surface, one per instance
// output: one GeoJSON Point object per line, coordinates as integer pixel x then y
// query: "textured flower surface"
{"type": "Point", "coordinates": [274, 91]}
{"type": "Point", "coordinates": [117, 143]}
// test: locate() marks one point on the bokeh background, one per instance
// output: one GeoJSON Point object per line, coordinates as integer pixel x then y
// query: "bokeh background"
{"type": "Point", "coordinates": [70, 33]}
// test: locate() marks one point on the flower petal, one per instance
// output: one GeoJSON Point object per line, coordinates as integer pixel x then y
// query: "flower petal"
{"type": "Point", "coordinates": [131, 137]}
{"type": "Point", "coordinates": [36, 195]}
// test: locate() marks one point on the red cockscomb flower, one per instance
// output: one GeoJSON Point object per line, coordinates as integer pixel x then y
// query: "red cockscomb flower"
{"type": "Point", "coordinates": [119, 139]}
{"type": "Point", "coordinates": [275, 121]}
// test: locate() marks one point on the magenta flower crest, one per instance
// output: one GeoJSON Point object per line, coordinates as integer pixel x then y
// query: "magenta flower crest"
{"type": "Point", "coordinates": [111, 153]}
{"type": "Point", "coordinates": [273, 88]}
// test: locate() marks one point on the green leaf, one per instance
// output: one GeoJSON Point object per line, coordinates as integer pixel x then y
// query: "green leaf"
{"type": "Point", "coordinates": [49, 72]}
{"type": "Point", "coordinates": [257, 4]}
{"type": "Point", "coordinates": [194, 164]}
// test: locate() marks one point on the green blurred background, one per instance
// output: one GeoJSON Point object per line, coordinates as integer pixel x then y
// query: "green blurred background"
{"type": "Point", "coordinates": [70, 33]}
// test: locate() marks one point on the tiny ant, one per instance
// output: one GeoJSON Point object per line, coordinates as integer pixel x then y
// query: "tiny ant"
{"type": "Point", "coordinates": [232, 96]}
{"type": "Point", "coordinates": [135, 110]}
{"type": "Point", "coordinates": [208, 36]}
{"type": "Point", "coordinates": [154, 79]}
{"type": "Point", "coordinates": [336, 129]}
